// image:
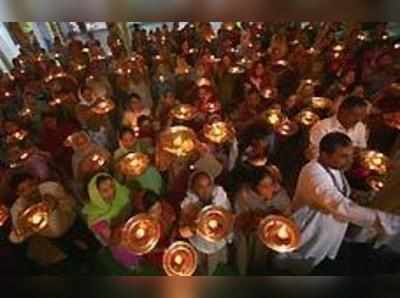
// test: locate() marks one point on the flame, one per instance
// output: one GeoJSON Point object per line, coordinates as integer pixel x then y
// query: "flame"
{"type": "Point", "coordinates": [283, 233]}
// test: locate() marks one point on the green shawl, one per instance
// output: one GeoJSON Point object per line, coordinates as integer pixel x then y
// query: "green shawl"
{"type": "Point", "coordinates": [97, 209]}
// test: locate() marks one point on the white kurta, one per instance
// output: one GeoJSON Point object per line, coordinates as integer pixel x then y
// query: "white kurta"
{"type": "Point", "coordinates": [324, 212]}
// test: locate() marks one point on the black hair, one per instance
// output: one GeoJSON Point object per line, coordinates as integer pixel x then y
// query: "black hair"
{"type": "Point", "coordinates": [332, 141]}
{"type": "Point", "coordinates": [125, 130]}
{"type": "Point", "coordinates": [352, 102]}
{"type": "Point", "coordinates": [17, 179]}
{"type": "Point", "coordinates": [100, 179]}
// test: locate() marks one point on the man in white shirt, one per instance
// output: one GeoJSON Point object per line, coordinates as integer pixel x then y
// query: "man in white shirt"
{"type": "Point", "coordinates": [348, 120]}
{"type": "Point", "coordinates": [323, 209]}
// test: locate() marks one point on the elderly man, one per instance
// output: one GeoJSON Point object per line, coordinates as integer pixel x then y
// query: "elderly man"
{"type": "Point", "coordinates": [348, 120]}
{"type": "Point", "coordinates": [323, 208]}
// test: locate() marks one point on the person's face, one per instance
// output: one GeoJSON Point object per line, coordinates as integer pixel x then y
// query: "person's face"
{"type": "Point", "coordinates": [341, 159]}
{"type": "Point", "coordinates": [204, 94]}
{"type": "Point", "coordinates": [259, 147]}
{"type": "Point", "coordinates": [226, 61]}
{"type": "Point", "coordinates": [170, 98]}
{"type": "Point", "coordinates": [127, 139]}
{"type": "Point", "coordinates": [136, 105]}
{"type": "Point", "coordinates": [107, 190]}
{"type": "Point", "coordinates": [202, 186]}
{"type": "Point", "coordinates": [351, 117]}
{"type": "Point", "coordinates": [259, 71]}
{"type": "Point", "coordinates": [359, 91]}
{"type": "Point", "coordinates": [349, 78]}
{"type": "Point", "coordinates": [266, 188]}
{"type": "Point", "coordinates": [50, 122]}
{"type": "Point", "coordinates": [26, 188]}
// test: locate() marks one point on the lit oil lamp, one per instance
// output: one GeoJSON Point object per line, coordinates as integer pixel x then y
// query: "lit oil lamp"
{"type": "Point", "coordinates": [214, 223]}
{"type": "Point", "coordinates": [336, 55]}
{"type": "Point", "coordinates": [192, 50]}
{"type": "Point", "coordinates": [267, 93]}
{"type": "Point", "coordinates": [385, 36]}
{"type": "Point", "coordinates": [211, 107]}
{"type": "Point", "coordinates": [229, 26]}
{"type": "Point", "coordinates": [396, 46]}
{"type": "Point", "coordinates": [4, 215]}
{"type": "Point", "coordinates": [141, 233]}
{"type": "Point", "coordinates": [180, 259]}
{"type": "Point", "coordinates": [236, 70]}
{"type": "Point", "coordinates": [279, 234]}
{"type": "Point", "coordinates": [307, 118]}
{"type": "Point", "coordinates": [161, 78]}
{"type": "Point", "coordinates": [77, 139]}
{"type": "Point", "coordinates": [184, 112]}
{"type": "Point", "coordinates": [17, 136]}
{"type": "Point", "coordinates": [287, 128]}
{"type": "Point", "coordinates": [311, 51]}
{"type": "Point", "coordinates": [85, 50]}
{"type": "Point", "coordinates": [134, 164]}
{"type": "Point", "coordinates": [274, 117]}
{"type": "Point", "coordinates": [35, 218]}
{"type": "Point", "coordinates": [338, 48]}
{"type": "Point", "coordinates": [219, 132]}
{"type": "Point", "coordinates": [98, 160]}
{"type": "Point", "coordinates": [362, 36]}
{"type": "Point", "coordinates": [178, 140]}
{"type": "Point", "coordinates": [321, 103]}
{"type": "Point", "coordinates": [374, 161]}
{"type": "Point", "coordinates": [103, 106]}
{"type": "Point", "coordinates": [376, 183]}
{"type": "Point", "coordinates": [25, 113]}
{"type": "Point", "coordinates": [203, 82]}
{"type": "Point", "coordinates": [157, 57]}
{"type": "Point", "coordinates": [281, 62]}
{"type": "Point", "coordinates": [79, 67]}
{"type": "Point", "coordinates": [294, 42]}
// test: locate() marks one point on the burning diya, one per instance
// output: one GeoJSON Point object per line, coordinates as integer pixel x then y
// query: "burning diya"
{"type": "Point", "coordinates": [279, 233]}
{"type": "Point", "coordinates": [376, 183]}
{"type": "Point", "coordinates": [25, 113]}
{"type": "Point", "coordinates": [211, 107]}
{"type": "Point", "coordinates": [35, 218]}
{"type": "Point", "coordinates": [178, 140]}
{"type": "Point", "coordinates": [103, 106]}
{"type": "Point", "coordinates": [307, 118]}
{"type": "Point", "coordinates": [203, 82]}
{"type": "Point", "coordinates": [184, 112]}
{"type": "Point", "coordinates": [141, 233]}
{"type": "Point", "coordinates": [134, 164]}
{"type": "Point", "coordinates": [321, 103]}
{"type": "Point", "coordinates": [219, 132]}
{"type": "Point", "coordinates": [274, 117]}
{"type": "Point", "coordinates": [374, 161]}
{"type": "Point", "coordinates": [77, 139]}
{"type": "Point", "coordinates": [19, 157]}
{"type": "Point", "coordinates": [267, 93]}
{"type": "Point", "coordinates": [97, 159]}
{"type": "Point", "coordinates": [17, 136]}
{"type": "Point", "coordinates": [180, 259]}
{"type": "Point", "coordinates": [4, 215]}
{"type": "Point", "coordinates": [287, 128]}
{"type": "Point", "coordinates": [214, 223]}
{"type": "Point", "coordinates": [236, 70]}
{"type": "Point", "coordinates": [338, 48]}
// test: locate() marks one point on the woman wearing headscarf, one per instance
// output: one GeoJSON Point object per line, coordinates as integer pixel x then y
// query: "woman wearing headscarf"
{"type": "Point", "coordinates": [203, 192]}
{"type": "Point", "coordinates": [262, 195]}
{"type": "Point", "coordinates": [109, 206]}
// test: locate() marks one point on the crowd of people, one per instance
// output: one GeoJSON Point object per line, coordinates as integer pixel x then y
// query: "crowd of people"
{"type": "Point", "coordinates": [299, 103]}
